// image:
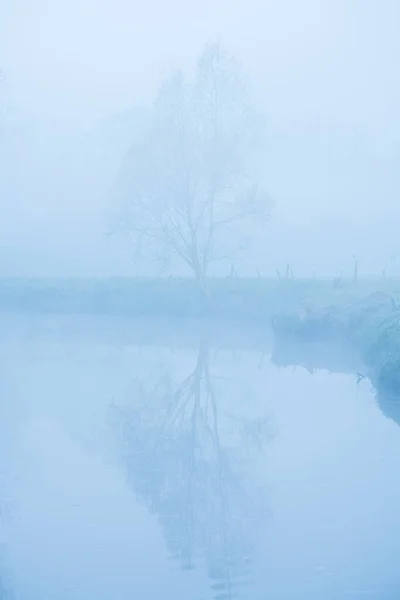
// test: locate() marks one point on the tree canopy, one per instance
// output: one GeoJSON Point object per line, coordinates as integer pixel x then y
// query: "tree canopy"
{"type": "Point", "coordinates": [188, 180]}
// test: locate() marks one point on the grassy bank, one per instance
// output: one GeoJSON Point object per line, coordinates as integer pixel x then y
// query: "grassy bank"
{"type": "Point", "coordinates": [369, 324]}
{"type": "Point", "coordinates": [231, 298]}
{"type": "Point", "coordinates": [375, 332]}
{"type": "Point", "coordinates": [364, 313]}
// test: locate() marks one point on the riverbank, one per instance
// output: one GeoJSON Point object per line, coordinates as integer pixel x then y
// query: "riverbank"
{"type": "Point", "coordinates": [375, 332]}
{"type": "Point", "coordinates": [228, 298]}
{"type": "Point", "coordinates": [364, 313]}
{"type": "Point", "coordinates": [369, 325]}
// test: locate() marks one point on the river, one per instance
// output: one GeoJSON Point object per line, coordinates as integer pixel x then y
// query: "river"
{"type": "Point", "coordinates": [177, 460]}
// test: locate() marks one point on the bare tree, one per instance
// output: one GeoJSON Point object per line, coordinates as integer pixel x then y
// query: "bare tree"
{"type": "Point", "coordinates": [188, 181]}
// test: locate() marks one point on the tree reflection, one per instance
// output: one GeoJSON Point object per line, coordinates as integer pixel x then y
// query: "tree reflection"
{"type": "Point", "coordinates": [192, 459]}
{"type": "Point", "coordinates": [6, 592]}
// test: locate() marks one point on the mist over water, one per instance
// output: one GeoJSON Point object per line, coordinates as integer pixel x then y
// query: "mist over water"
{"type": "Point", "coordinates": [254, 148]}
{"type": "Point", "coordinates": [190, 470]}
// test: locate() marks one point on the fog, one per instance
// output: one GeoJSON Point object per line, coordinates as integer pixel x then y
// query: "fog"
{"type": "Point", "coordinates": [206, 438]}
{"type": "Point", "coordinates": [183, 460]}
{"type": "Point", "coordinates": [76, 75]}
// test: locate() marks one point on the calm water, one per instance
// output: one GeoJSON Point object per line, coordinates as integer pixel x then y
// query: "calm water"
{"type": "Point", "coordinates": [168, 461]}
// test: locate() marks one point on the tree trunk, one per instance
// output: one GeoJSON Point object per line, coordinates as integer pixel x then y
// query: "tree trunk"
{"type": "Point", "coordinates": [202, 284]}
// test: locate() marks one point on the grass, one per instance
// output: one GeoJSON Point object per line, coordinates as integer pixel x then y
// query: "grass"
{"type": "Point", "coordinates": [369, 323]}
{"type": "Point", "coordinates": [232, 298]}
{"type": "Point", "coordinates": [328, 308]}
{"type": "Point", "coordinates": [376, 334]}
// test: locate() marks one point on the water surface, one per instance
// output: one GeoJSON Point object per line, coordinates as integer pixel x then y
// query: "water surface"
{"type": "Point", "coordinates": [162, 460]}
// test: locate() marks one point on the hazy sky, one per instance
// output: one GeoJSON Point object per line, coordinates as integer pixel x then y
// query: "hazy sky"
{"type": "Point", "coordinates": [325, 73]}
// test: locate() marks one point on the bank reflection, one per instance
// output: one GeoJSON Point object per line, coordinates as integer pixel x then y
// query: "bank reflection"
{"type": "Point", "coordinates": [191, 450]}
{"type": "Point", "coordinates": [335, 358]}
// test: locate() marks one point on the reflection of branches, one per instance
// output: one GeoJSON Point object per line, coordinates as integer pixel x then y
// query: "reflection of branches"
{"type": "Point", "coordinates": [5, 591]}
{"type": "Point", "coordinates": [187, 459]}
